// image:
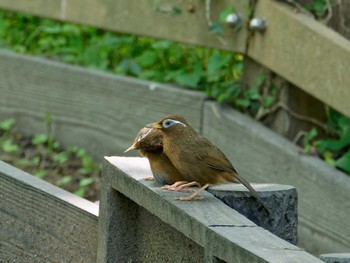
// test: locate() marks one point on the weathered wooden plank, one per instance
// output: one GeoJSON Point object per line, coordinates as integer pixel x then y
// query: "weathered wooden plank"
{"type": "Point", "coordinates": [221, 231]}
{"type": "Point", "coordinates": [102, 109]}
{"type": "Point", "coordinates": [52, 8]}
{"type": "Point", "coordinates": [43, 223]}
{"type": "Point", "coordinates": [150, 18]}
{"type": "Point", "coordinates": [305, 52]}
{"type": "Point", "coordinates": [262, 156]}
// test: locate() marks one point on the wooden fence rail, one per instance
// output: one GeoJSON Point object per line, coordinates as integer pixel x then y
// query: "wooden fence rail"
{"type": "Point", "coordinates": [108, 110]}
{"type": "Point", "coordinates": [43, 223]}
{"type": "Point", "coordinates": [298, 48]}
{"type": "Point", "coordinates": [149, 225]}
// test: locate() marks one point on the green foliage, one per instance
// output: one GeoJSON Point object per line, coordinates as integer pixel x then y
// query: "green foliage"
{"type": "Point", "coordinates": [335, 151]}
{"type": "Point", "coordinates": [308, 140]}
{"type": "Point", "coordinates": [72, 168]}
{"type": "Point", "coordinates": [317, 7]}
{"type": "Point", "coordinates": [215, 72]}
{"type": "Point", "coordinates": [7, 125]}
{"type": "Point", "coordinates": [218, 73]}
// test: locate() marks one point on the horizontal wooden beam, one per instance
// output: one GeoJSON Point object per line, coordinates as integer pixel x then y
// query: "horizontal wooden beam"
{"type": "Point", "coordinates": [43, 223]}
{"type": "Point", "coordinates": [105, 110]}
{"type": "Point", "coordinates": [305, 52]}
{"type": "Point", "coordinates": [183, 21]}
{"type": "Point", "coordinates": [300, 49]}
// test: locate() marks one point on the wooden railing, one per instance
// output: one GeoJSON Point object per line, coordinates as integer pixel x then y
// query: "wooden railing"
{"type": "Point", "coordinates": [301, 50]}
{"type": "Point", "coordinates": [43, 223]}
{"type": "Point", "coordinates": [298, 48]}
{"type": "Point", "coordinates": [114, 108]}
{"type": "Point", "coordinates": [141, 222]}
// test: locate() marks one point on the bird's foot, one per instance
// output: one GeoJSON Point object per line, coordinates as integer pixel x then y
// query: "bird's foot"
{"type": "Point", "coordinates": [175, 186]}
{"type": "Point", "coordinates": [195, 195]}
{"type": "Point", "coordinates": [149, 179]}
{"type": "Point", "coordinates": [176, 189]}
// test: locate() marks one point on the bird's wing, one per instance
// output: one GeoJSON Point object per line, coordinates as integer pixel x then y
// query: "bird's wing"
{"type": "Point", "coordinates": [214, 158]}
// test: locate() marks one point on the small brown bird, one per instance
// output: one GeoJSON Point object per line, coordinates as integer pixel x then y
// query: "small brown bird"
{"type": "Point", "coordinates": [149, 142]}
{"type": "Point", "coordinates": [196, 158]}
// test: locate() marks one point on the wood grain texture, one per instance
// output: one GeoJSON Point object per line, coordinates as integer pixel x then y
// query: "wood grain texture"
{"type": "Point", "coordinates": [98, 111]}
{"type": "Point", "coordinates": [42, 223]}
{"type": "Point", "coordinates": [262, 156]}
{"type": "Point", "coordinates": [305, 52]}
{"type": "Point", "coordinates": [221, 231]}
{"type": "Point", "coordinates": [51, 9]}
{"type": "Point", "coordinates": [146, 18]}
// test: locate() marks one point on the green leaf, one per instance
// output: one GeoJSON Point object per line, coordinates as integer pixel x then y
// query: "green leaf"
{"type": "Point", "coordinates": [328, 157]}
{"type": "Point", "coordinates": [268, 101]}
{"type": "Point", "coordinates": [190, 79]}
{"type": "Point", "coordinates": [260, 79]}
{"type": "Point", "coordinates": [319, 6]}
{"type": "Point", "coordinates": [40, 174]}
{"type": "Point", "coordinates": [39, 139]}
{"type": "Point", "coordinates": [85, 182]}
{"type": "Point", "coordinates": [9, 146]}
{"type": "Point", "coordinates": [344, 162]}
{"type": "Point", "coordinates": [175, 11]}
{"type": "Point", "coordinates": [7, 124]}
{"type": "Point", "coordinates": [344, 126]}
{"type": "Point", "coordinates": [66, 179]}
{"type": "Point", "coordinates": [161, 45]}
{"type": "Point", "coordinates": [244, 103]}
{"type": "Point", "coordinates": [80, 192]}
{"type": "Point", "coordinates": [224, 13]}
{"type": "Point", "coordinates": [215, 64]}
{"type": "Point", "coordinates": [129, 66]}
{"type": "Point", "coordinates": [309, 136]}
{"type": "Point", "coordinates": [61, 157]}
{"type": "Point", "coordinates": [216, 28]}
{"type": "Point", "coordinates": [147, 58]}
{"type": "Point", "coordinates": [252, 94]}
{"type": "Point", "coordinates": [333, 144]}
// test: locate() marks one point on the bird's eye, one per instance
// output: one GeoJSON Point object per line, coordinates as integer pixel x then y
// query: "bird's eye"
{"type": "Point", "coordinates": [168, 123]}
{"type": "Point", "coordinates": [141, 137]}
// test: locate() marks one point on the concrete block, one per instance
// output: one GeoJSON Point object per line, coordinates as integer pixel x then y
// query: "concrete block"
{"type": "Point", "coordinates": [336, 258]}
{"type": "Point", "coordinates": [281, 201]}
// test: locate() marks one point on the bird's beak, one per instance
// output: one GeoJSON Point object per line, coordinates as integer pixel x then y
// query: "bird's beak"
{"type": "Point", "coordinates": [155, 125]}
{"type": "Point", "coordinates": [132, 147]}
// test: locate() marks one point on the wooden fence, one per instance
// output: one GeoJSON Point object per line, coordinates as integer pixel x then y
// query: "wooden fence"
{"type": "Point", "coordinates": [43, 223]}
{"type": "Point", "coordinates": [103, 112]}
{"type": "Point", "coordinates": [107, 110]}
{"type": "Point", "coordinates": [298, 48]}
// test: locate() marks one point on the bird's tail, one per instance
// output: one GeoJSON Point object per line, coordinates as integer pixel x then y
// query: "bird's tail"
{"type": "Point", "coordinates": [251, 190]}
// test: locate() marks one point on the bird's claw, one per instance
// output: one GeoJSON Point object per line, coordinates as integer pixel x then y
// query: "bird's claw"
{"type": "Point", "coordinates": [176, 189]}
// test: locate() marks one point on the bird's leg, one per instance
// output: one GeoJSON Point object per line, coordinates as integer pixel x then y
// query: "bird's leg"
{"type": "Point", "coordinates": [193, 196]}
{"type": "Point", "coordinates": [181, 186]}
{"type": "Point", "coordinates": [174, 186]}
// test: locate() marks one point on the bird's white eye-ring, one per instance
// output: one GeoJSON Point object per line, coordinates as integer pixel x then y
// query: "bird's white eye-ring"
{"type": "Point", "coordinates": [169, 122]}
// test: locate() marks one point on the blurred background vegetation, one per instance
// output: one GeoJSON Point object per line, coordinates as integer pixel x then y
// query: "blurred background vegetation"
{"type": "Point", "coordinates": [217, 73]}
